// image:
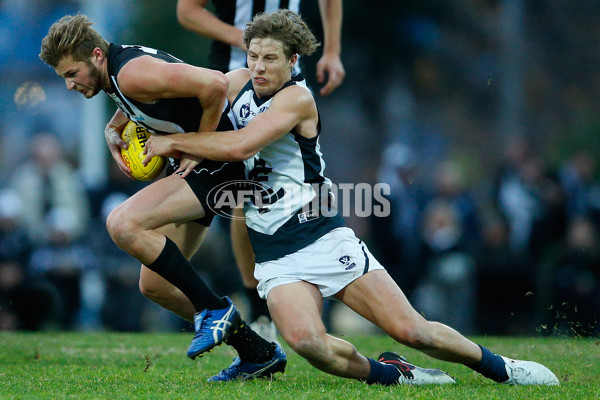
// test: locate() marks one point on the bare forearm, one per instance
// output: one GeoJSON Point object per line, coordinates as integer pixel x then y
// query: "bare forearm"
{"type": "Point", "coordinates": [218, 146]}
{"type": "Point", "coordinates": [331, 18]}
{"type": "Point", "coordinates": [118, 120]}
{"type": "Point", "coordinates": [194, 17]}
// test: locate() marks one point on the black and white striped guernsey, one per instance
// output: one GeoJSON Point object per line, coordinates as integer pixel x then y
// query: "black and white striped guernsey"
{"type": "Point", "coordinates": [171, 115]}
{"type": "Point", "coordinates": [224, 57]}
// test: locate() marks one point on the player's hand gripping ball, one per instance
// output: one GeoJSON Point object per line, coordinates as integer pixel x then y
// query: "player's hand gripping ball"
{"type": "Point", "coordinates": [137, 136]}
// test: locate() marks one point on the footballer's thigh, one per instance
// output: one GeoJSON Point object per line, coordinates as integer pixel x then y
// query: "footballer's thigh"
{"type": "Point", "coordinates": [133, 225]}
{"type": "Point", "coordinates": [168, 200]}
{"type": "Point", "coordinates": [296, 311]}
{"type": "Point", "coordinates": [377, 297]}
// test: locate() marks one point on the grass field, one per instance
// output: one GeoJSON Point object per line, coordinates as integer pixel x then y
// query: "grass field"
{"type": "Point", "coordinates": [154, 366]}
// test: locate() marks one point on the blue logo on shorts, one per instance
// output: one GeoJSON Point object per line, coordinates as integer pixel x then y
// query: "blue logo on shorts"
{"type": "Point", "coordinates": [346, 261]}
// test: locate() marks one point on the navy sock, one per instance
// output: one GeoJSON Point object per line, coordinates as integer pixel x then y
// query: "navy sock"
{"type": "Point", "coordinates": [491, 366]}
{"type": "Point", "coordinates": [175, 268]}
{"type": "Point", "coordinates": [383, 374]}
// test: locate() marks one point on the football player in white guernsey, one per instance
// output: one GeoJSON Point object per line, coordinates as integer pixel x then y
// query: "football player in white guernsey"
{"type": "Point", "coordinates": [225, 23]}
{"type": "Point", "coordinates": [164, 223]}
{"type": "Point", "coordinates": [278, 139]}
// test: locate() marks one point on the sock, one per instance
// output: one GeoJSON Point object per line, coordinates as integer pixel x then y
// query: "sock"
{"type": "Point", "coordinates": [250, 346]}
{"type": "Point", "coordinates": [491, 366]}
{"type": "Point", "coordinates": [383, 374]}
{"type": "Point", "coordinates": [258, 306]}
{"type": "Point", "coordinates": [175, 268]}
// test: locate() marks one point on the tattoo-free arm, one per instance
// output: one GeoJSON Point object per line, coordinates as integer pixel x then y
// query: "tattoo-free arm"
{"type": "Point", "coordinates": [193, 16]}
{"type": "Point", "coordinates": [291, 109]}
{"type": "Point", "coordinates": [330, 63]}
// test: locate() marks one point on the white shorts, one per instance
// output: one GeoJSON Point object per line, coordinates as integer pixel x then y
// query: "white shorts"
{"type": "Point", "coordinates": [331, 263]}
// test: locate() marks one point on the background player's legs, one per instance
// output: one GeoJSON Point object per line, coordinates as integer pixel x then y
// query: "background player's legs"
{"type": "Point", "coordinates": [188, 238]}
{"type": "Point", "coordinates": [242, 249]}
{"type": "Point", "coordinates": [244, 259]}
{"type": "Point", "coordinates": [296, 310]}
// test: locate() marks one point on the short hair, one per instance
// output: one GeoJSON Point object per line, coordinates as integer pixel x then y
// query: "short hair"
{"type": "Point", "coordinates": [71, 36]}
{"type": "Point", "coordinates": [285, 26]}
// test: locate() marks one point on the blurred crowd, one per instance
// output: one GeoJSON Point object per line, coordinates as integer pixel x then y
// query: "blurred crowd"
{"type": "Point", "coordinates": [517, 253]}
{"type": "Point", "coordinates": [495, 214]}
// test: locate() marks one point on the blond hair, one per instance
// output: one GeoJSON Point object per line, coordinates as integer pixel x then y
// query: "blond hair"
{"type": "Point", "coordinates": [285, 26]}
{"type": "Point", "coordinates": [71, 36]}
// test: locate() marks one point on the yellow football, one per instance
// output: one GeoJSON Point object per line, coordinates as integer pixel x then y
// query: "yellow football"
{"type": "Point", "coordinates": [137, 136]}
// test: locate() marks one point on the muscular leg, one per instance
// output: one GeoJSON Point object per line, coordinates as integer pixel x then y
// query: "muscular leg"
{"type": "Point", "coordinates": [133, 225]}
{"type": "Point", "coordinates": [378, 298]}
{"type": "Point", "coordinates": [138, 226]}
{"type": "Point", "coordinates": [188, 238]}
{"type": "Point", "coordinates": [296, 310]}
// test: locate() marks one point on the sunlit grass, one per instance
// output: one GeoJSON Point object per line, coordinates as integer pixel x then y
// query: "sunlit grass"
{"type": "Point", "coordinates": [154, 366]}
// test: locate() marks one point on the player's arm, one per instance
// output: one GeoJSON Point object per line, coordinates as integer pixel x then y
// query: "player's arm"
{"type": "Point", "coordinates": [330, 63]}
{"type": "Point", "coordinates": [147, 79]}
{"type": "Point", "coordinates": [292, 109]}
{"type": "Point", "coordinates": [238, 78]}
{"type": "Point", "coordinates": [193, 16]}
{"type": "Point", "coordinates": [112, 134]}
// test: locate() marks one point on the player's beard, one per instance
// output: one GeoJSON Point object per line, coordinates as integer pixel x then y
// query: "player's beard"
{"type": "Point", "coordinates": [95, 79]}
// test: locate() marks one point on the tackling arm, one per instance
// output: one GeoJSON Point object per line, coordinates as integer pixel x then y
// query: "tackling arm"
{"type": "Point", "coordinates": [291, 109]}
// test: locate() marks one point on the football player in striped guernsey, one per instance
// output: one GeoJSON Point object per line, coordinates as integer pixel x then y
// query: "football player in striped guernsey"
{"type": "Point", "coordinates": [304, 252]}
{"type": "Point", "coordinates": [164, 223]}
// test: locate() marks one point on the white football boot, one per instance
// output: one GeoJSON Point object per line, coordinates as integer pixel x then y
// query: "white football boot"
{"type": "Point", "coordinates": [528, 373]}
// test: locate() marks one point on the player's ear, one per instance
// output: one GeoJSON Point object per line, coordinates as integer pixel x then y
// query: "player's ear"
{"type": "Point", "coordinates": [98, 54]}
{"type": "Point", "coordinates": [293, 60]}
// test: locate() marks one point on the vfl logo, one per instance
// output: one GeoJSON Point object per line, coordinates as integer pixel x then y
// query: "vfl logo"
{"type": "Point", "coordinates": [245, 110]}
{"type": "Point", "coordinates": [308, 216]}
{"type": "Point", "coordinates": [346, 261]}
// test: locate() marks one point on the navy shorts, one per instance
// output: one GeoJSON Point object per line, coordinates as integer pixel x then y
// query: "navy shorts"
{"type": "Point", "coordinates": [207, 176]}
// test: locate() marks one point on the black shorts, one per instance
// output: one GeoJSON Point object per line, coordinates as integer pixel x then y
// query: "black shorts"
{"type": "Point", "coordinates": [207, 176]}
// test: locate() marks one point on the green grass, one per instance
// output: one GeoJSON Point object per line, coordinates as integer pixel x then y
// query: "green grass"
{"type": "Point", "coordinates": [154, 366]}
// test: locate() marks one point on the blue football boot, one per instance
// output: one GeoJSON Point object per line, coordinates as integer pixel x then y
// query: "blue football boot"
{"type": "Point", "coordinates": [242, 370]}
{"type": "Point", "coordinates": [213, 327]}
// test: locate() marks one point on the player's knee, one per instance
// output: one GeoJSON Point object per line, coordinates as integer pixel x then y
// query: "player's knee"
{"type": "Point", "coordinates": [414, 334]}
{"type": "Point", "coordinates": [307, 344]}
{"type": "Point", "coordinates": [121, 227]}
